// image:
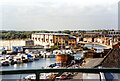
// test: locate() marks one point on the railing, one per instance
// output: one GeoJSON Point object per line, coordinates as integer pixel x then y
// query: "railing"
{"type": "Point", "coordinates": [38, 71]}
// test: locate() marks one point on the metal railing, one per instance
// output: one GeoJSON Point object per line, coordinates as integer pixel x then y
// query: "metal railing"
{"type": "Point", "coordinates": [38, 71]}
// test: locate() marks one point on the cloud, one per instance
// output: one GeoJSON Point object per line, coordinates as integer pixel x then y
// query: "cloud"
{"type": "Point", "coordinates": [63, 14]}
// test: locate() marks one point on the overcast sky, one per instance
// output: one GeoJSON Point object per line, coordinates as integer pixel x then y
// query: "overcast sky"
{"type": "Point", "coordinates": [58, 14]}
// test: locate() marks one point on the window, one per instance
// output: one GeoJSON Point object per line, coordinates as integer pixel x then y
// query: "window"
{"type": "Point", "coordinates": [39, 39]}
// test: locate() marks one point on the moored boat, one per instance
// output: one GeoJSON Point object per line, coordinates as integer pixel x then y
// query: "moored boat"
{"type": "Point", "coordinates": [30, 58]}
{"type": "Point", "coordinates": [5, 63]}
{"type": "Point", "coordinates": [17, 59]}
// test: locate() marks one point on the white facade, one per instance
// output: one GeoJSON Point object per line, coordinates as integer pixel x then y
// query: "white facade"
{"type": "Point", "coordinates": [43, 39]}
{"type": "Point", "coordinates": [10, 43]}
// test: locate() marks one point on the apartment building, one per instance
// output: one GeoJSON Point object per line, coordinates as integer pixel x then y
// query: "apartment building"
{"type": "Point", "coordinates": [51, 39]}
{"type": "Point", "coordinates": [115, 33]}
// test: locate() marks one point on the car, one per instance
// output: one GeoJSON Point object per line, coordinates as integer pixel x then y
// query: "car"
{"type": "Point", "coordinates": [76, 66]}
{"type": "Point", "coordinates": [62, 77]}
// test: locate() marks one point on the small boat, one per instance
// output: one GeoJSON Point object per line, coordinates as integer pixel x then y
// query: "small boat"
{"type": "Point", "coordinates": [5, 63]}
{"type": "Point", "coordinates": [24, 58]}
{"type": "Point", "coordinates": [17, 60]}
{"type": "Point", "coordinates": [50, 55]}
{"type": "Point", "coordinates": [36, 57]}
{"type": "Point", "coordinates": [10, 59]}
{"type": "Point", "coordinates": [30, 58]}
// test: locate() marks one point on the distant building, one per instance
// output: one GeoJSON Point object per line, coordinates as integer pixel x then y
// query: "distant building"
{"type": "Point", "coordinates": [93, 34]}
{"type": "Point", "coordinates": [115, 33]}
{"type": "Point", "coordinates": [51, 39]}
{"type": "Point", "coordinates": [8, 44]}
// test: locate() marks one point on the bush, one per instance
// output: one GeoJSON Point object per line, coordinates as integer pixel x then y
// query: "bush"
{"type": "Point", "coordinates": [54, 47]}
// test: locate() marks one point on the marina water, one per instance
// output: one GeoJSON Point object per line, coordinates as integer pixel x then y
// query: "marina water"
{"type": "Point", "coordinates": [42, 62]}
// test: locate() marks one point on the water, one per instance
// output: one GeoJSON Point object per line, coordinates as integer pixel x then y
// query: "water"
{"type": "Point", "coordinates": [98, 47]}
{"type": "Point", "coordinates": [78, 55]}
{"type": "Point", "coordinates": [42, 62]}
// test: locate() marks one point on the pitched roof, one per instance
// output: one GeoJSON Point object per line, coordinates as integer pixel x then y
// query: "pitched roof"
{"type": "Point", "coordinates": [112, 60]}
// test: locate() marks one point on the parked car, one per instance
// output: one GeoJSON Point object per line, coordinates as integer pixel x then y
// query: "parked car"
{"type": "Point", "coordinates": [63, 76]}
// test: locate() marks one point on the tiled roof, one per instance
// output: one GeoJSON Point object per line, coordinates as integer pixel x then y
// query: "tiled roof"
{"type": "Point", "coordinates": [112, 60]}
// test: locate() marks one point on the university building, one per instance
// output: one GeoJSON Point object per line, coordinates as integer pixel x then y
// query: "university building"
{"type": "Point", "coordinates": [51, 39]}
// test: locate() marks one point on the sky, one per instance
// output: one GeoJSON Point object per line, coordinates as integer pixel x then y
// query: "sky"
{"type": "Point", "coordinates": [29, 15]}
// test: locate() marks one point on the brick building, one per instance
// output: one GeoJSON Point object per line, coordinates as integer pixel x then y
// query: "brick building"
{"type": "Point", "coordinates": [51, 39]}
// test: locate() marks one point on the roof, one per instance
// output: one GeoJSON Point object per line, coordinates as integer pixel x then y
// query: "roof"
{"type": "Point", "coordinates": [92, 62]}
{"type": "Point", "coordinates": [72, 37]}
{"type": "Point", "coordinates": [112, 60]}
{"type": "Point", "coordinates": [51, 34]}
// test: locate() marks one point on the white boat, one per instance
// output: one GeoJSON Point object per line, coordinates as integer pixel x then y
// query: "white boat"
{"type": "Point", "coordinates": [17, 59]}
{"type": "Point", "coordinates": [5, 63]}
{"type": "Point", "coordinates": [63, 51]}
{"type": "Point", "coordinates": [50, 55]}
{"type": "Point", "coordinates": [35, 56]}
{"type": "Point", "coordinates": [2, 58]}
{"type": "Point", "coordinates": [56, 51]}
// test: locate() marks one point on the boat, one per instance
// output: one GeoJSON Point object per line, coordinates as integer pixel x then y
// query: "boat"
{"type": "Point", "coordinates": [50, 55]}
{"type": "Point", "coordinates": [30, 58]}
{"type": "Point", "coordinates": [24, 58]}
{"type": "Point", "coordinates": [10, 59]}
{"type": "Point", "coordinates": [35, 56]}
{"type": "Point", "coordinates": [6, 60]}
{"type": "Point", "coordinates": [5, 63]}
{"type": "Point", "coordinates": [17, 60]}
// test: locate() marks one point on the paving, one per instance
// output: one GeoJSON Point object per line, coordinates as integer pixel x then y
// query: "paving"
{"type": "Point", "coordinates": [92, 62]}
